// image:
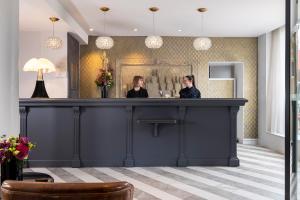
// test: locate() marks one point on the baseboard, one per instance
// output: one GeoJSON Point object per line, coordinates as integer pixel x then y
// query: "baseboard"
{"type": "Point", "coordinates": [249, 141]}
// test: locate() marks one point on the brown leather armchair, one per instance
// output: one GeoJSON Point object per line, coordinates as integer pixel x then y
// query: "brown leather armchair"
{"type": "Point", "coordinates": [19, 190]}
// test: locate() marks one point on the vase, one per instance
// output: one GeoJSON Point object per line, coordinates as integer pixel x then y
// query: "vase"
{"type": "Point", "coordinates": [12, 170]}
{"type": "Point", "coordinates": [104, 91]}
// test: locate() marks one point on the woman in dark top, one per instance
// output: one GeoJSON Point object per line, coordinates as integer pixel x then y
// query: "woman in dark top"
{"type": "Point", "coordinates": [138, 91]}
{"type": "Point", "coordinates": [190, 91]}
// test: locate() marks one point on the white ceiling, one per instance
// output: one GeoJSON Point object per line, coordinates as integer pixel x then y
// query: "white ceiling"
{"type": "Point", "coordinates": [225, 18]}
{"type": "Point", "coordinates": [34, 16]}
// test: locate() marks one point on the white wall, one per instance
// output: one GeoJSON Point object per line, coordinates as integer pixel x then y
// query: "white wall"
{"type": "Point", "coordinates": [265, 139]}
{"type": "Point", "coordinates": [9, 104]}
{"type": "Point", "coordinates": [32, 44]}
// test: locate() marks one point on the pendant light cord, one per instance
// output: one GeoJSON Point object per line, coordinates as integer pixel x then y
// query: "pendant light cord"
{"type": "Point", "coordinates": [153, 23]}
{"type": "Point", "coordinates": [202, 24]}
{"type": "Point", "coordinates": [104, 23]}
{"type": "Point", "coordinates": [53, 34]}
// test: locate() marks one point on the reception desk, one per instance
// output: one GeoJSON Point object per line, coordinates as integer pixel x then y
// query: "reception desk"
{"type": "Point", "coordinates": [131, 132]}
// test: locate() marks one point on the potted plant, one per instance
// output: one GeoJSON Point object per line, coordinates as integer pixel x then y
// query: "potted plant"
{"type": "Point", "coordinates": [13, 152]}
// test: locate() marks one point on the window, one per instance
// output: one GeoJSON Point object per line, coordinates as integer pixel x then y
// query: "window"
{"type": "Point", "coordinates": [276, 82]}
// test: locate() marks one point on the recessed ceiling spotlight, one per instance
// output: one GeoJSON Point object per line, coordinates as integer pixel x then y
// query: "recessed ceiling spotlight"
{"type": "Point", "coordinates": [179, 30]}
{"type": "Point", "coordinates": [135, 30]}
{"type": "Point", "coordinates": [91, 29]}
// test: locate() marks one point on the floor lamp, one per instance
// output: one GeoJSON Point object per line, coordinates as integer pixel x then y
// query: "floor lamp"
{"type": "Point", "coordinates": [41, 66]}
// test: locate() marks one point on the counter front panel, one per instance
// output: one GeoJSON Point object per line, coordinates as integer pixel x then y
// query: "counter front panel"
{"type": "Point", "coordinates": [131, 132]}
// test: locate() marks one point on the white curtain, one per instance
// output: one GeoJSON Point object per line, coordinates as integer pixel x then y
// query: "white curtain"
{"type": "Point", "coordinates": [276, 83]}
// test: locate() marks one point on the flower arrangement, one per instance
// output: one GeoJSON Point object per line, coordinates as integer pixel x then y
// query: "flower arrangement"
{"type": "Point", "coordinates": [105, 78]}
{"type": "Point", "coordinates": [14, 148]}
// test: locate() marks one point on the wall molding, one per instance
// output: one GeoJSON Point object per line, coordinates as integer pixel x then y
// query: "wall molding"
{"type": "Point", "coordinates": [133, 62]}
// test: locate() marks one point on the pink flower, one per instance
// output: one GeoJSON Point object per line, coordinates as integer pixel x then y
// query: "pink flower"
{"type": "Point", "coordinates": [23, 151]}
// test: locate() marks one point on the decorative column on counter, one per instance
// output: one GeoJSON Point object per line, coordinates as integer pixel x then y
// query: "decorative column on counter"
{"type": "Point", "coordinates": [104, 79]}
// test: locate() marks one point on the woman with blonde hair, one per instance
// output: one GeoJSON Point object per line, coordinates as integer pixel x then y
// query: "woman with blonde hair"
{"type": "Point", "coordinates": [137, 91]}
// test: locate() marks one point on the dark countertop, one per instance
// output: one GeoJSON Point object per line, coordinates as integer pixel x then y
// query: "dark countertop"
{"type": "Point", "coordinates": [134, 102]}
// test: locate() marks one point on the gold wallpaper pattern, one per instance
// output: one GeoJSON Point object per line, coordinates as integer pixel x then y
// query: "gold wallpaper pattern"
{"type": "Point", "coordinates": [180, 50]}
{"type": "Point", "coordinates": [221, 89]}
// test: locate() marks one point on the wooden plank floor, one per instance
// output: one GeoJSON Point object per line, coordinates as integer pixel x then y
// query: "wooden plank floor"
{"type": "Point", "coordinates": [260, 176]}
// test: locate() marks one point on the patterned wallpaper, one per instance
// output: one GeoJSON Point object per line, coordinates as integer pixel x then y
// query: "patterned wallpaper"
{"type": "Point", "coordinates": [180, 50]}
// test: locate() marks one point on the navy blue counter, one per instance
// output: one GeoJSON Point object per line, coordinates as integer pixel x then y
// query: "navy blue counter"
{"type": "Point", "coordinates": [131, 132]}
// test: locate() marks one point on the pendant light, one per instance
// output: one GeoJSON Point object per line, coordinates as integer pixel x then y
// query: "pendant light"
{"type": "Point", "coordinates": [202, 43]}
{"type": "Point", "coordinates": [53, 42]}
{"type": "Point", "coordinates": [104, 42]}
{"type": "Point", "coordinates": [154, 41]}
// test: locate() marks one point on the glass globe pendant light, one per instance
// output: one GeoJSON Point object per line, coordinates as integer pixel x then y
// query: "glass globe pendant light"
{"type": "Point", "coordinates": [54, 42]}
{"type": "Point", "coordinates": [202, 43]}
{"type": "Point", "coordinates": [104, 42]}
{"type": "Point", "coordinates": [154, 41]}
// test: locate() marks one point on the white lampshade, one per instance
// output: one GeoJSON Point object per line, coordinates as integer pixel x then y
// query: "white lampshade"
{"type": "Point", "coordinates": [54, 42]}
{"type": "Point", "coordinates": [104, 42]}
{"type": "Point", "coordinates": [36, 64]}
{"type": "Point", "coordinates": [154, 42]}
{"type": "Point", "coordinates": [202, 44]}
